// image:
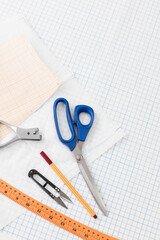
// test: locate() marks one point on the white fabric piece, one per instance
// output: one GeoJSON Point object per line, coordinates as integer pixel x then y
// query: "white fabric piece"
{"type": "Point", "coordinates": [17, 159]}
{"type": "Point", "coordinates": [7, 236]}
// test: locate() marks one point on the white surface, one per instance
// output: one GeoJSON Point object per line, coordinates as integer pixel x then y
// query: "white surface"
{"type": "Point", "coordinates": [7, 236]}
{"type": "Point", "coordinates": [113, 49]}
{"type": "Point", "coordinates": [18, 159]}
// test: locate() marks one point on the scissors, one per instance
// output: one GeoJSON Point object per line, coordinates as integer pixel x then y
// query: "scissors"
{"type": "Point", "coordinates": [33, 172]}
{"type": "Point", "coordinates": [76, 141]}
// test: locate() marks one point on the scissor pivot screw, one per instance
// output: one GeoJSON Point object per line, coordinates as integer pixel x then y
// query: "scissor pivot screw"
{"type": "Point", "coordinates": [79, 157]}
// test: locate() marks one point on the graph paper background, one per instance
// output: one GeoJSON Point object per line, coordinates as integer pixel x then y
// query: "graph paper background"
{"type": "Point", "coordinates": [113, 48]}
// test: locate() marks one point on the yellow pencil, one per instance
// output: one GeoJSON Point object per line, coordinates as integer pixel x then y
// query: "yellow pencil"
{"type": "Point", "coordinates": [69, 185]}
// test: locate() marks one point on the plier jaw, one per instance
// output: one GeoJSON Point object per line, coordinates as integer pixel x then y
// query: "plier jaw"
{"type": "Point", "coordinates": [29, 134]}
{"type": "Point", "coordinates": [21, 134]}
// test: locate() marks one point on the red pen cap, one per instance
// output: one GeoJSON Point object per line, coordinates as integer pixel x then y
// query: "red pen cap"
{"type": "Point", "coordinates": [48, 160]}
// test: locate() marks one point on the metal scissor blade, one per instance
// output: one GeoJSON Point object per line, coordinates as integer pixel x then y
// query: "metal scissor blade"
{"type": "Point", "coordinates": [60, 202]}
{"type": "Point", "coordinates": [34, 172]}
{"type": "Point", "coordinates": [91, 184]}
{"type": "Point", "coordinates": [63, 195]}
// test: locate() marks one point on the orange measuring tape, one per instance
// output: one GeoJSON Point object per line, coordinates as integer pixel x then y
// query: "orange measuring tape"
{"type": "Point", "coordinates": [52, 215]}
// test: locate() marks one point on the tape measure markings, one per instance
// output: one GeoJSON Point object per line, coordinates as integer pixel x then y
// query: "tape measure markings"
{"type": "Point", "coordinates": [52, 215]}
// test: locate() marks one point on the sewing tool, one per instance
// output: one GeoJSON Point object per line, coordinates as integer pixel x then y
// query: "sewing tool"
{"type": "Point", "coordinates": [21, 134]}
{"type": "Point", "coordinates": [69, 185]}
{"type": "Point", "coordinates": [51, 215]}
{"type": "Point", "coordinates": [75, 143]}
{"type": "Point", "coordinates": [47, 183]}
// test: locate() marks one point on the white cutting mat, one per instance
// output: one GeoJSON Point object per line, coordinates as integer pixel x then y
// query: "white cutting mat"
{"type": "Point", "coordinates": [113, 48]}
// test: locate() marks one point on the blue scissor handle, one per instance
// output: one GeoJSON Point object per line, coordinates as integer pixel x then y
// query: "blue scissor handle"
{"type": "Point", "coordinates": [82, 129]}
{"type": "Point", "coordinates": [71, 143]}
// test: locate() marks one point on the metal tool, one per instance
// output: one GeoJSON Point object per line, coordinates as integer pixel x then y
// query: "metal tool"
{"type": "Point", "coordinates": [75, 143]}
{"type": "Point", "coordinates": [21, 134]}
{"type": "Point", "coordinates": [34, 172]}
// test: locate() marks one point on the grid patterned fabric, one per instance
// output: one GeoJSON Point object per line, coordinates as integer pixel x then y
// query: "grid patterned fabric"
{"type": "Point", "coordinates": [113, 49]}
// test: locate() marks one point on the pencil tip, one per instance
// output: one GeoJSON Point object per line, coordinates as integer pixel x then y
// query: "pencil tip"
{"type": "Point", "coordinates": [95, 216]}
